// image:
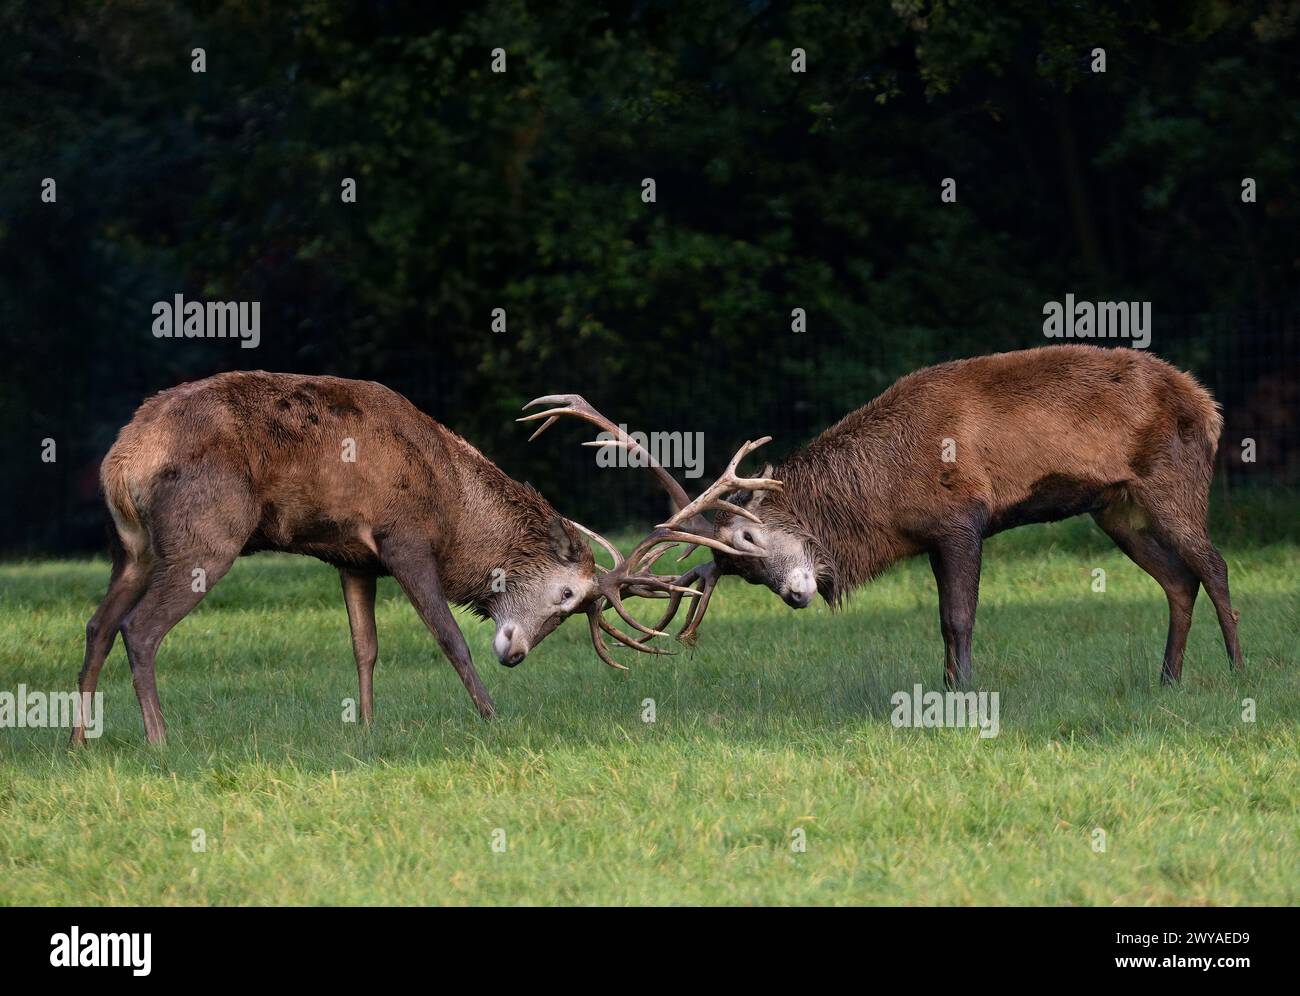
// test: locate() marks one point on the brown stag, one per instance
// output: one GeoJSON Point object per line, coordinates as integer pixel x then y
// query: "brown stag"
{"type": "Point", "coordinates": [957, 452]}
{"type": "Point", "coordinates": [353, 474]}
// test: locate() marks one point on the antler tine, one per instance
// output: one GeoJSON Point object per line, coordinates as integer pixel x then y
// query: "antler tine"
{"type": "Point", "coordinates": [593, 535]}
{"type": "Point", "coordinates": [578, 406]}
{"type": "Point", "coordinates": [707, 576]}
{"type": "Point", "coordinates": [597, 619]}
{"type": "Point", "coordinates": [644, 555]}
{"type": "Point", "coordinates": [627, 641]}
{"type": "Point", "coordinates": [667, 591]}
{"type": "Point", "coordinates": [541, 428]}
{"type": "Point", "coordinates": [615, 599]}
{"type": "Point", "coordinates": [594, 620]}
{"type": "Point", "coordinates": [711, 497]}
{"type": "Point", "coordinates": [695, 615]}
{"type": "Point", "coordinates": [658, 555]}
{"type": "Point", "coordinates": [722, 505]}
{"type": "Point", "coordinates": [626, 567]}
{"type": "Point", "coordinates": [709, 541]}
{"type": "Point", "coordinates": [682, 586]}
{"type": "Point", "coordinates": [596, 623]}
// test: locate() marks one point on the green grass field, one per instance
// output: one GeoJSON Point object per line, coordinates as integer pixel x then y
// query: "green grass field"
{"type": "Point", "coordinates": [778, 721]}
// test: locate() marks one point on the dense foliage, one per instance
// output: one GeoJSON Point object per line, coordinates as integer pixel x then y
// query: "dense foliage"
{"type": "Point", "coordinates": [522, 190]}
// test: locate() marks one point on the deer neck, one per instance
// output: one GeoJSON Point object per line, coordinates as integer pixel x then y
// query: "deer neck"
{"type": "Point", "coordinates": [841, 509]}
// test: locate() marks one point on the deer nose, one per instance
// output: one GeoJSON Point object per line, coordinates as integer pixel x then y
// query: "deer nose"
{"type": "Point", "coordinates": [510, 650]}
{"type": "Point", "coordinates": [801, 587]}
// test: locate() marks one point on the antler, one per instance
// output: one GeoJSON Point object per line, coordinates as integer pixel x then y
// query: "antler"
{"type": "Point", "coordinates": [634, 574]}
{"type": "Point", "coordinates": [577, 406]}
{"type": "Point", "coordinates": [691, 518]}
{"type": "Point", "coordinates": [707, 574]}
{"type": "Point", "coordinates": [688, 525]}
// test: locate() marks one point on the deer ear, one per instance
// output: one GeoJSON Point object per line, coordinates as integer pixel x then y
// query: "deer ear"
{"type": "Point", "coordinates": [564, 544]}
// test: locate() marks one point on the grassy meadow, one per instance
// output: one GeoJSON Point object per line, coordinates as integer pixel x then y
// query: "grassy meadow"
{"type": "Point", "coordinates": [778, 722]}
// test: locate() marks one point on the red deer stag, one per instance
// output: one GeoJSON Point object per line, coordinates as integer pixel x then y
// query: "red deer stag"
{"type": "Point", "coordinates": [960, 451]}
{"type": "Point", "coordinates": [355, 475]}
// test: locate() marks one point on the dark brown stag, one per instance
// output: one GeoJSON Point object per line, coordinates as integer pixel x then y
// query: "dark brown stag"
{"type": "Point", "coordinates": [957, 452]}
{"type": "Point", "coordinates": [353, 474]}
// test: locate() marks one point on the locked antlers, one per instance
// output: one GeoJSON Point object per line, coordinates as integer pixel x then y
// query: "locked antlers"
{"type": "Point", "coordinates": [687, 526]}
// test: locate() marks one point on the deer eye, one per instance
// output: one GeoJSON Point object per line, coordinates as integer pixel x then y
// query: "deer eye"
{"type": "Point", "coordinates": [568, 594]}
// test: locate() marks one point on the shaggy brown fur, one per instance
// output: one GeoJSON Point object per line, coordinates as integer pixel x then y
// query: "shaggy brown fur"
{"type": "Point", "coordinates": [1037, 435]}
{"type": "Point", "coordinates": [241, 462]}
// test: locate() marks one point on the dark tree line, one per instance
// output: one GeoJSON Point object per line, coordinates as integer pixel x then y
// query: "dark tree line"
{"type": "Point", "coordinates": [522, 190]}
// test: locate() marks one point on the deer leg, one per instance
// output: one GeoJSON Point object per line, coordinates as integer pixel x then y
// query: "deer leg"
{"type": "Point", "coordinates": [129, 579]}
{"type": "Point", "coordinates": [956, 565]}
{"type": "Point", "coordinates": [174, 589]}
{"type": "Point", "coordinates": [1174, 576]}
{"type": "Point", "coordinates": [359, 597]}
{"type": "Point", "coordinates": [1176, 509]}
{"type": "Point", "coordinates": [196, 552]}
{"type": "Point", "coordinates": [1205, 561]}
{"type": "Point", "coordinates": [413, 566]}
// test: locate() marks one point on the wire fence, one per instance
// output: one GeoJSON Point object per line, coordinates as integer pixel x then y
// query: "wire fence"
{"type": "Point", "coordinates": [1250, 361]}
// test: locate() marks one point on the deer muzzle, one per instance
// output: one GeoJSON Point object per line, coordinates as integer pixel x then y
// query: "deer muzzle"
{"type": "Point", "coordinates": [509, 644]}
{"type": "Point", "coordinates": [800, 588]}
